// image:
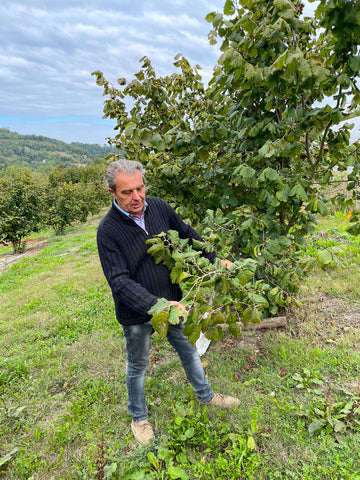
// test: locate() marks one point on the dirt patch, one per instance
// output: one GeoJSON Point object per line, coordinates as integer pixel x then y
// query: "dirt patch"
{"type": "Point", "coordinates": [328, 313]}
{"type": "Point", "coordinates": [28, 241]}
{"type": "Point", "coordinates": [322, 319]}
{"type": "Point", "coordinates": [338, 311]}
{"type": "Point", "coordinates": [33, 245]}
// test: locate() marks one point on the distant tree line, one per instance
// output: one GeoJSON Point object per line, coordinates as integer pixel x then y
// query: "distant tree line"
{"type": "Point", "coordinates": [32, 200]}
{"type": "Point", "coordinates": [42, 153]}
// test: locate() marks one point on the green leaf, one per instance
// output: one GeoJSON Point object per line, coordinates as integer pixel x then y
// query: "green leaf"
{"type": "Point", "coordinates": [153, 460]}
{"type": "Point", "coordinates": [161, 305]}
{"type": "Point", "coordinates": [324, 257]}
{"type": "Point", "coordinates": [272, 174]}
{"type": "Point", "coordinates": [202, 155]}
{"type": "Point", "coordinates": [235, 329]}
{"type": "Point", "coordinates": [315, 426]}
{"type": "Point", "coordinates": [281, 195]}
{"type": "Point", "coordinates": [284, 241]}
{"type": "Point", "coordinates": [251, 443]}
{"type": "Point", "coordinates": [280, 61]}
{"type": "Point", "coordinates": [247, 223]}
{"type": "Point", "coordinates": [215, 333]}
{"type": "Point", "coordinates": [219, 299]}
{"type": "Point", "coordinates": [165, 454]}
{"type": "Point", "coordinates": [299, 192]}
{"type": "Point", "coordinates": [129, 130]}
{"type": "Point", "coordinates": [176, 274]}
{"type": "Point", "coordinates": [205, 323]}
{"type": "Point", "coordinates": [145, 138]}
{"type": "Point", "coordinates": [110, 469]}
{"type": "Point", "coordinates": [274, 291]}
{"type": "Point", "coordinates": [192, 332]}
{"type": "Point", "coordinates": [210, 17]}
{"type": "Point", "coordinates": [339, 426]}
{"type": "Point", "coordinates": [184, 276]}
{"type": "Point", "coordinates": [245, 172]}
{"type": "Point", "coordinates": [321, 74]}
{"type": "Point", "coordinates": [175, 315]}
{"type": "Point", "coordinates": [236, 60]}
{"type": "Point", "coordinates": [273, 247]}
{"type": "Point", "coordinates": [250, 71]}
{"type": "Point", "coordinates": [354, 229]}
{"type": "Point", "coordinates": [160, 323]}
{"type": "Point", "coordinates": [322, 208]}
{"type": "Point", "coordinates": [244, 276]}
{"type": "Point", "coordinates": [217, 317]}
{"type": "Point", "coordinates": [177, 472]}
{"type": "Point", "coordinates": [282, 4]}
{"type": "Point", "coordinates": [197, 244]}
{"type": "Point", "coordinates": [229, 8]}
{"type": "Point", "coordinates": [287, 14]}
{"type": "Point", "coordinates": [251, 315]}
{"type": "Point", "coordinates": [257, 299]}
{"type": "Point", "coordinates": [157, 141]}
{"type": "Point", "coordinates": [217, 19]}
{"type": "Point", "coordinates": [354, 63]}
{"type": "Point", "coordinates": [304, 69]}
{"type": "Point", "coordinates": [155, 249]}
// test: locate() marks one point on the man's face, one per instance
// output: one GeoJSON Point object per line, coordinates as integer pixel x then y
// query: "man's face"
{"type": "Point", "coordinates": [129, 192]}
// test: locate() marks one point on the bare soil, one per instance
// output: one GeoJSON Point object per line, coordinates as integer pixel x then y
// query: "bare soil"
{"type": "Point", "coordinates": [33, 245]}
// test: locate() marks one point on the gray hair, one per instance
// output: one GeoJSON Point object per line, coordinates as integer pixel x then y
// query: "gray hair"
{"type": "Point", "coordinates": [119, 166]}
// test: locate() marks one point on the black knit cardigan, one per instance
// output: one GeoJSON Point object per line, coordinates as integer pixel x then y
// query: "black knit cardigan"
{"type": "Point", "coordinates": [136, 281]}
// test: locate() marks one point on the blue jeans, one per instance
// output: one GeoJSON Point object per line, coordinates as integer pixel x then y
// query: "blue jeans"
{"type": "Point", "coordinates": [138, 342]}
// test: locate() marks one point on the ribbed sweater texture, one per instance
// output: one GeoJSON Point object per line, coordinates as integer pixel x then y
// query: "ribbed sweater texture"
{"type": "Point", "coordinates": [136, 281]}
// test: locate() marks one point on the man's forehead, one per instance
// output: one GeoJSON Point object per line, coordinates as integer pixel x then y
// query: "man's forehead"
{"type": "Point", "coordinates": [128, 181]}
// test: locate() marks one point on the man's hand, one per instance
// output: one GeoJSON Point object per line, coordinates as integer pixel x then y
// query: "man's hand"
{"type": "Point", "coordinates": [227, 263]}
{"type": "Point", "coordinates": [179, 305]}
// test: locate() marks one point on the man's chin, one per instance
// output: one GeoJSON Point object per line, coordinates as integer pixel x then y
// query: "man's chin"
{"type": "Point", "coordinates": [136, 210]}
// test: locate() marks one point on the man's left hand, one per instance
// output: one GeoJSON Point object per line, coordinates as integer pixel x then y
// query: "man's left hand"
{"type": "Point", "coordinates": [179, 305]}
{"type": "Point", "coordinates": [227, 263]}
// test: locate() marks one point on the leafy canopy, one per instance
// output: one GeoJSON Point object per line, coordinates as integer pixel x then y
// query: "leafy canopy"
{"type": "Point", "coordinates": [247, 157]}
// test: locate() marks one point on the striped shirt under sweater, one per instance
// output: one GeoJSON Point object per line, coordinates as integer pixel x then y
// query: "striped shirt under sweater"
{"type": "Point", "coordinates": [136, 281]}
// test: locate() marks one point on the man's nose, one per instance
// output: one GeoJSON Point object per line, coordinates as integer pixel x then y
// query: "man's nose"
{"type": "Point", "coordinates": [135, 195]}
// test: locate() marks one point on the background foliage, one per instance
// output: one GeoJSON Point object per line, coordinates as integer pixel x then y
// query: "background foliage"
{"type": "Point", "coordinates": [32, 199]}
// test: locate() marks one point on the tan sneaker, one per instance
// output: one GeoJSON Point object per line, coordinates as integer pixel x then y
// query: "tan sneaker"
{"type": "Point", "coordinates": [224, 401]}
{"type": "Point", "coordinates": [143, 432]}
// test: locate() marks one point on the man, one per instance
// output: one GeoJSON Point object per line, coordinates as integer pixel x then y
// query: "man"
{"type": "Point", "coordinates": [137, 282]}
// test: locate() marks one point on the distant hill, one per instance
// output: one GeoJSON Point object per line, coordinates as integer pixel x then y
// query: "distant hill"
{"type": "Point", "coordinates": [42, 153]}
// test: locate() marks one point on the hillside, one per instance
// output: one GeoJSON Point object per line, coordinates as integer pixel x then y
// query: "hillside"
{"type": "Point", "coordinates": [42, 153]}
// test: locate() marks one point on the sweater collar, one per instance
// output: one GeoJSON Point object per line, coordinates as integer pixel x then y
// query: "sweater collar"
{"type": "Point", "coordinates": [117, 207]}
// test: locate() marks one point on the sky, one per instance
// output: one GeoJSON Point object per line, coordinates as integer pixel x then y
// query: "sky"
{"type": "Point", "coordinates": [49, 48]}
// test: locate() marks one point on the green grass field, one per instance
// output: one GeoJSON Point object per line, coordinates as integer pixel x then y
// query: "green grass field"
{"type": "Point", "coordinates": [63, 412]}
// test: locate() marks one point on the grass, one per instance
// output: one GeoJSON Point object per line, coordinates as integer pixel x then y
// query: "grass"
{"type": "Point", "coordinates": [63, 411]}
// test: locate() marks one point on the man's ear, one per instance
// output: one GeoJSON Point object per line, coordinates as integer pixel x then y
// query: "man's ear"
{"type": "Point", "coordinates": [112, 192]}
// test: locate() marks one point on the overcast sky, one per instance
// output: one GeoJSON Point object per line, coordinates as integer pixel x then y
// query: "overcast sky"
{"type": "Point", "coordinates": [50, 47]}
